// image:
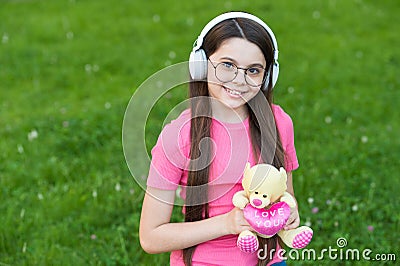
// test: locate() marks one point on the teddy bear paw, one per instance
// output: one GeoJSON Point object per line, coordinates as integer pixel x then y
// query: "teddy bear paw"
{"type": "Point", "coordinates": [248, 243]}
{"type": "Point", "coordinates": [302, 239]}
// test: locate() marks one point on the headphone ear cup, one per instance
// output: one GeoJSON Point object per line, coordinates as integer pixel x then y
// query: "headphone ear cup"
{"type": "Point", "coordinates": [275, 74]}
{"type": "Point", "coordinates": [198, 65]}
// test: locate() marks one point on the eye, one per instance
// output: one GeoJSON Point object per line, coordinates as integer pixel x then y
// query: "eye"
{"type": "Point", "coordinates": [256, 192]}
{"type": "Point", "coordinates": [228, 65]}
{"type": "Point", "coordinates": [264, 196]}
{"type": "Point", "coordinates": [253, 71]}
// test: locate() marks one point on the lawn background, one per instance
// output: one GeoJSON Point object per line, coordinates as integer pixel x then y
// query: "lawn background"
{"type": "Point", "coordinates": [69, 68]}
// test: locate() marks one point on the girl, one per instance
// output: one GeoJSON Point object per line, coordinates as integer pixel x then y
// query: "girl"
{"type": "Point", "coordinates": [231, 120]}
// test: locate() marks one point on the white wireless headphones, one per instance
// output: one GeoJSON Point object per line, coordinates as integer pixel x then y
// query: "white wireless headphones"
{"type": "Point", "coordinates": [198, 59]}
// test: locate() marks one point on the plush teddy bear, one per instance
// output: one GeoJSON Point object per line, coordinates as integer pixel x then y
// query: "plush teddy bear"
{"type": "Point", "coordinates": [269, 209]}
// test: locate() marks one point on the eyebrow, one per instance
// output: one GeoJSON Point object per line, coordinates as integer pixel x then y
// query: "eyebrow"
{"type": "Point", "coordinates": [236, 63]}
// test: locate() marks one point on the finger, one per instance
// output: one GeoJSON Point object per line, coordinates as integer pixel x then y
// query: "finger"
{"type": "Point", "coordinates": [294, 224]}
{"type": "Point", "coordinates": [246, 224]}
{"type": "Point", "coordinates": [291, 219]}
{"type": "Point", "coordinates": [244, 228]}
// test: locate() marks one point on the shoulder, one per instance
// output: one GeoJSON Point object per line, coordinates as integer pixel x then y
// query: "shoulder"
{"type": "Point", "coordinates": [284, 125]}
{"type": "Point", "coordinates": [178, 126]}
{"type": "Point", "coordinates": [282, 119]}
{"type": "Point", "coordinates": [170, 154]}
{"type": "Point", "coordinates": [175, 135]}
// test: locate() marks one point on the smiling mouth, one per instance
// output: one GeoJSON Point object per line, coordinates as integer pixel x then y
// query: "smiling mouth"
{"type": "Point", "coordinates": [233, 92]}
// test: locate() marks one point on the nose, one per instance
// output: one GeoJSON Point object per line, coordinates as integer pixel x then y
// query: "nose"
{"type": "Point", "coordinates": [256, 202]}
{"type": "Point", "coordinates": [240, 77]}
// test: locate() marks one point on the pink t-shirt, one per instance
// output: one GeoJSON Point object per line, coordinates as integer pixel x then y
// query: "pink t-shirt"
{"type": "Point", "coordinates": [231, 151]}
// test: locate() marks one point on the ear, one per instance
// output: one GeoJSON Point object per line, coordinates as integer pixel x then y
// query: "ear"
{"type": "Point", "coordinates": [282, 171]}
{"type": "Point", "coordinates": [246, 177]}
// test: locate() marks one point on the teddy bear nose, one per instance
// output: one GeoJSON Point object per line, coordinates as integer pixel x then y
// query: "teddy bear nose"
{"type": "Point", "coordinates": [257, 202]}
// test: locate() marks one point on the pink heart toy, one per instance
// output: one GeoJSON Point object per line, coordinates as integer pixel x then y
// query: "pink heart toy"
{"type": "Point", "coordinates": [267, 222]}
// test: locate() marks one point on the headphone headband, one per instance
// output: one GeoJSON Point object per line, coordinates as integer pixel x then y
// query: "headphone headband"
{"type": "Point", "coordinates": [230, 15]}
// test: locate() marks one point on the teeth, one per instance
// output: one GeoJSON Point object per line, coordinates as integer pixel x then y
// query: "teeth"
{"type": "Point", "coordinates": [233, 92]}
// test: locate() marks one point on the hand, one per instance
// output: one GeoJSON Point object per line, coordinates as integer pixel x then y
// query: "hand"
{"type": "Point", "coordinates": [235, 223]}
{"type": "Point", "coordinates": [294, 219]}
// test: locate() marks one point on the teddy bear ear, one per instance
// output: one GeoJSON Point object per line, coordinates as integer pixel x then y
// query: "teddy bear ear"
{"type": "Point", "coordinates": [247, 167]}
{"type": "Point", "coordinates": [246, 177]}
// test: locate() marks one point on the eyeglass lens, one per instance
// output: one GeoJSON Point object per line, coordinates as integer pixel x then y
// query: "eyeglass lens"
{"type": "Point", "coordinates": [227, 72]}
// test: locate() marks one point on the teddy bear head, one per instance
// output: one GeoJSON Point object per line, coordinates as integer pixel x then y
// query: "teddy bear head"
{"type": "Point", "coordinates": [263, 184]}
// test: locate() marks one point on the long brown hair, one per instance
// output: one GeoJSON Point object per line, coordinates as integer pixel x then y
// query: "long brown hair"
{"type": "Point", "coordinates": [201, 125]}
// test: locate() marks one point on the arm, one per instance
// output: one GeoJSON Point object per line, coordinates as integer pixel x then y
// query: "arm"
{"type": "Point", "coordinates": [289, 183]}
{"type": "Point", "coordinates": [294, 219]}
{"type": "Point", "coordinates": [158, 235]}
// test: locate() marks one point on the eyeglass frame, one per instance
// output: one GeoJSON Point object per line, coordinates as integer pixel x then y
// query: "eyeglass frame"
{"type": "Point", "coordinates": [237, 72]}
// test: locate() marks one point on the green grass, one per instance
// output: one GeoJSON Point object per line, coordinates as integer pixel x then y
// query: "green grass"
{"type": "Point", "coordinates": [69, 68]}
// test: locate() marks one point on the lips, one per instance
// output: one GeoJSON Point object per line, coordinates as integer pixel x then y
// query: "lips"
{"type": "Point", "coordinates": [233, 92]}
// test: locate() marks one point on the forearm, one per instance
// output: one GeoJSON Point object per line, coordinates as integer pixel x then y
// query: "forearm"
{"type": "Point", "coordinates": [290, 188]}
{"type": "Point", "coordinates": [174, 236]}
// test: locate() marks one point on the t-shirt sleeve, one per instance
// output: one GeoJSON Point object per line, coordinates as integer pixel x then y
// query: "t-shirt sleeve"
{"type": "Point", "coordinates": [286, 132]}
{"type": "Point", "coordinates": [168, 160]}
{"type": "Point", "coordinates": [291, 161]}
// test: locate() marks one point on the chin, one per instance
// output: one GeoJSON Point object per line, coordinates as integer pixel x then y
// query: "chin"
{"type": "Point", "coordinates": [234, 105]}
{"type": "Point", "coordinates": [229, 100]}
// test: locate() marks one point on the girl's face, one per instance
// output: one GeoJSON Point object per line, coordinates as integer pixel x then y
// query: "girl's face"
{"type": "Point", "coordinates": [244, 54]}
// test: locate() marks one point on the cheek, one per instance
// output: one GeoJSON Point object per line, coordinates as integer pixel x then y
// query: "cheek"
{"type": "Point", "coordinates": [211, 75]}
{"type": "Point", "coordinates": [214, 90]}
{"type": "Point", "coordinates": [252, 93]}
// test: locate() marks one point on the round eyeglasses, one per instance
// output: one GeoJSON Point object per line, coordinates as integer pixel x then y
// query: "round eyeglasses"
{"type": "Point", "coordinates": [228, 71]}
